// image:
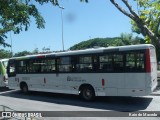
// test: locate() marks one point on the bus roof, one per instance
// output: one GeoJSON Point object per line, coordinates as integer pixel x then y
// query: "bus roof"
{"type": "Point", "coordinates": [88, 51]}
{"type": "Point", "coordinates": [106, 49]}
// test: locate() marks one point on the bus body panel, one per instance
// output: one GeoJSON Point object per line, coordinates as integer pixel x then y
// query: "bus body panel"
{"type": "Point", "coordinates": [116, 83]}
{"type": "Point", "coordinates": [138, 82]}
{"type": "Point", "coordinates": [70, 83]}
{"type": "Point", "coordinates": [13, 83]}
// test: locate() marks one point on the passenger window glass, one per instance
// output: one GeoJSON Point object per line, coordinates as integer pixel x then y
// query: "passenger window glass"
{"type": "Point", "coordinates": [106, 64]}
{"type": "Point", "coordinates": [135, 62]}
{"type": "Point", "coordinates": [21, 67]}
{"type": "Point", "coordinates": [111, 63]}
{"type": "Point", "coordinates": [140, 61]}
{"type": "Point", "coordinates": [84, 64]}
{"type": "Point", "coordinates": [65, 64]}
{"type": "Point", "coordinates": [118, 63]}
{"type": "Point", "coordinates": [130, 61]}
{"type": "Point", "coordinates": [48, 65]}
{"type": "Point", "coordinates": [36, 66]}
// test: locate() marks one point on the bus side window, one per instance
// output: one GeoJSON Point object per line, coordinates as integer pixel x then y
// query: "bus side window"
{"type": "Point", "coordinates": [106, 63]}
{"type": "Point", "coordinates": [135, 62]}
{"type": "Point", "coordinates": [118, 63]}
{"type": "Point", "coordinates": [84, 64]}
{"type": "Point", "coordinates": [65, 64]}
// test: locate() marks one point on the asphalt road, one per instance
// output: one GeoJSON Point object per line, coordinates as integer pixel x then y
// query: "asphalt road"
{"type": "Point", "coordinates": [40, 101]}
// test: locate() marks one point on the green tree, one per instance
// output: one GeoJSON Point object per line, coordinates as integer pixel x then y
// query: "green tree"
{"type": "Point", "coordinates": [46, 50]}
{"type": "Point", "coordinates": [35, 51]}
{"type": "Point", "coordinates": [96, 42]}
{"type": "Point", "coordinates": [15, 16]}
{"type": "Point", "coordinates": [23, 53]}
{"type": "Point", "coordinates": [124, 39]}
{"type": "Point", "coordinates": [5, 54]}
{"type": "Point", "coordinates": [146, 21]}
{"type": "Point", "coordinates": [2, 42]}
{"type": "Point", "coordinates": [129, 39]}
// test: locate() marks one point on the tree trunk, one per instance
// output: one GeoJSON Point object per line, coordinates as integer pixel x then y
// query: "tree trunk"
{"type": "Point", "coordinates": [155, 39]}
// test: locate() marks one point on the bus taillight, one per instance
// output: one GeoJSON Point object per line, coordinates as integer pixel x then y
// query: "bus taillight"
{"type": "Point", "coordinates": [148, 62]}
{"type": "Point", "coordinates": [103, 82]}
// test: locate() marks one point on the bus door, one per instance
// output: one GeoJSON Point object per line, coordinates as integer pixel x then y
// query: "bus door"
{"type": "Point", "coordinates": [12, 81]}
{"type": "Point", "coordinates": [39, 76]}
{"type": "Point", "coordinates": [64, 67]}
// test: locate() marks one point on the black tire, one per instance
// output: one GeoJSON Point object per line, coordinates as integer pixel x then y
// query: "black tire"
{"type": "Point", "coordinates": [24, 88]}
{"type": "Point", "coordinates": [87, 93]}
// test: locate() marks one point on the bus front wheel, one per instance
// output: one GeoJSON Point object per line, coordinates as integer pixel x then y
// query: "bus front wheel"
{"type": "Point", "coordinates": [87, 93]}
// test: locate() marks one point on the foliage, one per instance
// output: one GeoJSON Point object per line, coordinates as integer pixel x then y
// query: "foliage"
{"type": "Point", "coordinates": [149, 12]}
{"type": "Point", "coordinates": [44, 49]}
{"type": "Point", "coordinates": [23, 53]}
{"type": "Point", "coordinates": [124, 39]}
{"type": "Point", "coordinates": [101, 42]}
{"type": "Point", "coordinates": [35, 51]}
{"type": "Point", "coordinates": [15, 15]}
{"type": "Point", "coordinates": [5, 54]}
{"type": "Point", "coordinates": [2, 42]}
{"type": "Point", "coordinates": [146, 21]}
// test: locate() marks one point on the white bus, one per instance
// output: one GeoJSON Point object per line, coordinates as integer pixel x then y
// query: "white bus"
{"type": "Point", "coordinates": [3, 72]}
{"type": "Point", "coordinates": [112, 71]}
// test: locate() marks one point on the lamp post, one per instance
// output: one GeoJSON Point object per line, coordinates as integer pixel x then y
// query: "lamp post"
{"type": "Point", "coordinates": [62, 25]}
{"type": "Point", "coordinates": [11, 45]}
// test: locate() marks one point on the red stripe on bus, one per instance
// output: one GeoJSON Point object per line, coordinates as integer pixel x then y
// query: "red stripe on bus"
{"type": "Point", "coordinates": [148, 61]}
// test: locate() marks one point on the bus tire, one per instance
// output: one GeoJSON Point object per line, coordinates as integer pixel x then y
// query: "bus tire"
{"type": "Point", "coordinates": [87, 93]}
{"type": "Point", "coordinates": [24, 88]}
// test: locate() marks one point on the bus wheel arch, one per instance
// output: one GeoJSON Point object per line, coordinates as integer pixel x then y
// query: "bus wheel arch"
{"type": "Point", "coordinates": [87, 92]}
{"type": "Point", "coordinates": [24, 87]}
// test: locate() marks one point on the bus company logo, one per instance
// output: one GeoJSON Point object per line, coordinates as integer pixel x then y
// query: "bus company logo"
{"type": "Point", "coordinates": [6, 114]}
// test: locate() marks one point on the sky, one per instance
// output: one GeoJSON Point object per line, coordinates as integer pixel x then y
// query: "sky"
{"type": "Point", "coordinates": [81, 21]}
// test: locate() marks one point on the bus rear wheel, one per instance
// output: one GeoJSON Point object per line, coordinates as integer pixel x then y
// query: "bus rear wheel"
{"type": "Point", "coordinates": [24, 88]}
{"type": "Point", "coordinates": [87, 93]}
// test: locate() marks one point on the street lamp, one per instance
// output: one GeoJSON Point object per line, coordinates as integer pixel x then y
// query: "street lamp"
{"type": "Point", "coordinates": [62, 26]}
{"type": "Point", "coordinates": [11, 45]}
